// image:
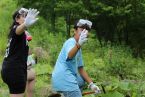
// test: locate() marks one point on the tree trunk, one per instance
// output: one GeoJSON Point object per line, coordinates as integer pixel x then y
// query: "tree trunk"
{"type": "Point", "coordinates": [68, 25]}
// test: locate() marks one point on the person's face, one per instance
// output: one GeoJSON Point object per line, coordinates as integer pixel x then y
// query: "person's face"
{"type": "Point", "coordinates": [78, 32]}
{"type": "Point", "coordinates": [21, 19]}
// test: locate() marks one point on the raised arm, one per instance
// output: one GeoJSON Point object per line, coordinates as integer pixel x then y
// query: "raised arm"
{"type": "Point", "coordinates": [28, 21]}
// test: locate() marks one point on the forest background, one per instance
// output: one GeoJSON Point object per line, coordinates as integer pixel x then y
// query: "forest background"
{"type": "Point", "coordinates": [114, 55]}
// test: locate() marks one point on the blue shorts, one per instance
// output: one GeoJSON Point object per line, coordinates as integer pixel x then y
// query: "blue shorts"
{"type": "Point", "coordinates": [77, 93]}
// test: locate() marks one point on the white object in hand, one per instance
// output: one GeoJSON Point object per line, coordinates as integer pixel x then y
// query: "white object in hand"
{"type": "Point", "coordinates": [83, 37]}
{"type": "Point", "coordinates": [31, 17]}
{"type": "Point", "coordinates": [94, 88]}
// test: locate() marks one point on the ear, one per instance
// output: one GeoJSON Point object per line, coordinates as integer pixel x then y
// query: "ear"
{"type": "Point", "coordinates": [75, 31]}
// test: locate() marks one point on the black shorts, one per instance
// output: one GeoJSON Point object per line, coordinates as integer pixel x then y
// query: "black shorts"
{"type": "Point", "coordinates": [15, 78]}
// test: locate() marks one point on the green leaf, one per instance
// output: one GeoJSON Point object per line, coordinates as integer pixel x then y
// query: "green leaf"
{"type": "Point", "coordinates": [113, 94]}
{"type": "Point", "coordinates": [124, 86]}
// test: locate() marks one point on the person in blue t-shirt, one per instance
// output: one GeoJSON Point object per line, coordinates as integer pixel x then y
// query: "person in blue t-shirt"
{"type": "Point", "coordinates": [68, 75]}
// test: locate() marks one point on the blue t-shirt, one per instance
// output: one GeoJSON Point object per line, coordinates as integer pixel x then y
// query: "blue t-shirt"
{"type": "Point", "coordinates": [64, 76]}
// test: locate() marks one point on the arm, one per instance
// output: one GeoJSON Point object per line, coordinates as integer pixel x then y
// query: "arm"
{"type": "Point", "coordinates": [81, 41]}
{"type": "Point", "coordinates": [85, 75]}
{"type": "Point", "coordinates": [20, 29]}
{"type": "Point", "coordinates": [73, 51]}
{"type": "Point", "coordinates": [29, 20]}
{"type": "Point", "coordinates": [91, 85]}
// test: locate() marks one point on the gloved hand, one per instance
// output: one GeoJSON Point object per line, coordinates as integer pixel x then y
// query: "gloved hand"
{"type": "Point", "coordinates": [83, 37]}
{"type": "Point", "coordinates": [94, 88]}
{"type": "Point", "coordinates": [31, 17]}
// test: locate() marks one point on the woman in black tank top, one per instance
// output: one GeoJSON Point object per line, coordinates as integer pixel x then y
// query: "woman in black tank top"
{"type": "Point", "coordinates": [14, 67]}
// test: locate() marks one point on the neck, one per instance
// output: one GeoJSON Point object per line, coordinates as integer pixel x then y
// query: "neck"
{"type": "Point", "coordinates": [75, 37]}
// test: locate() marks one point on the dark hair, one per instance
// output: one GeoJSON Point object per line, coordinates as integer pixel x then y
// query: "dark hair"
{"type": "Point", "coordinates": [85, 26]}
{"type": "Point", "coordinates": [75, 24]}
{"type": "Point", "coordinates": [14, 16]}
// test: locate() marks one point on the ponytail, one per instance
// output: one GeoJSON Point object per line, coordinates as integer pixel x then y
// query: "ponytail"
{"type": "Point", "coordinates": [11, 27]}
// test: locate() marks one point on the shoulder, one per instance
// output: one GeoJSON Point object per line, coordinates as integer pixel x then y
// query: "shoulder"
{"type": "Point", "coordinates": [13, 32]}
{"type": "Point", "coordinates": [70, 40]}
{"type": "Point", "coordinates": [14, 27]}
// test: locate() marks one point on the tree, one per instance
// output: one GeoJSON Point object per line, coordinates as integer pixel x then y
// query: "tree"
{"type": "Point", "coordinates": [46, 8]}
{"type": "Point", "coordinates": [113, 20]}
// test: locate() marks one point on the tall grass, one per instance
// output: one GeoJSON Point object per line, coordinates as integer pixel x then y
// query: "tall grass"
{"type": "Point", "coordinates": [7, 7]}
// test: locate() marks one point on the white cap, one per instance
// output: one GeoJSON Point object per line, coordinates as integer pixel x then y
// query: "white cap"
{"type": "Point", "coordinates": [23, 10]}
{"type": "Point", "coordinates": [82, 22]}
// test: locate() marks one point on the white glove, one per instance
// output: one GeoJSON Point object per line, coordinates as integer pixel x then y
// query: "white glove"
{"type": "Point", "coordinates": [94, 88]}
{"type": "Point", "coordinates": [83, 37]}
{"type": "Point", "coordinates": [31, 17]}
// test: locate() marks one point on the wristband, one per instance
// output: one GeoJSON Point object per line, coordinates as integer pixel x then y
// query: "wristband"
{"type": "Point", "coordinates": [78, 46]}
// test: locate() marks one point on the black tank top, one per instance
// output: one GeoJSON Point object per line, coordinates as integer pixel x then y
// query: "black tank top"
{"type": "Point", "coordinates": [16, 51]}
